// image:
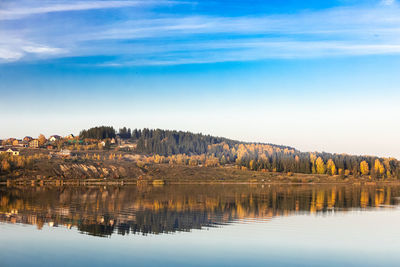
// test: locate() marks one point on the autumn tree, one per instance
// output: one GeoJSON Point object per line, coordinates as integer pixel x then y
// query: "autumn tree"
{"type": "Point", "coordinates": [223, 160]}
{"type": "Point", "coordinates": [379, 168]}
{"type": "Point", "coordinates": [320, 166]}
{"type": "Point", "coordinates": [5, 166]}
{"type": "Point", "coordinates": [252, 165]}
{"type": "Point", "coordinates": [331, 167]}
{"type": "Point", "coordinates": [20, 161]}
{"type": "Point", "coordinates": [312, 161]}
{"type": "Point", "coordinates": [42, 140]}
{"type": "Point", "coordinates": [364, 168]}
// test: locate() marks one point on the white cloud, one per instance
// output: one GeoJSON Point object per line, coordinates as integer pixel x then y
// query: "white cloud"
{"type": "Point", "coordinates": [388, 2]}
{"type": "Point", "coordinates": [177, 39]}
{"type": "Point", "coordinates": [42, 50]}
{"type": "Point", "coordinates": [27, 8]}
{"type": "Point", "coordinates": [14, 49]}
{"type": "Point", "coordinates": [7, 55]}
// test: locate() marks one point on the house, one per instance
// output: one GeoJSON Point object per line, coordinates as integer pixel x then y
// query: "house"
{"type": "Point", "coordinates": [24, 144]}
{"type": "Point", "coordinates": [11, 151]}
{"type": "Point", "coordinates": [54, 138]}
{"type": "Point", "coordinates": [34, 143]}
{"type": "Point", "coordinates": [27, 139]}
{"type": "Point", "coordinates": [16, 142]}
{"type": "Point", "coordinates": [70, 136]}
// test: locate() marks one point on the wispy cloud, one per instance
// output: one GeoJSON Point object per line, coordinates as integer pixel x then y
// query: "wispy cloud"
{"type": "Point", "coordinates": [13, 49]}
{"type": "Point", "coordinates": [165, 38]}
{"type": "Point", "coordinates": [20, 9]}
{"type": "Point", "coordinates": [388, 2]}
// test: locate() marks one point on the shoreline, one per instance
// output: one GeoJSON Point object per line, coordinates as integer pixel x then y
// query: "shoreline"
{"type": "Point", "coordinates": [131, 182]}
{"type": "Point", "coordinates": [128, 173]}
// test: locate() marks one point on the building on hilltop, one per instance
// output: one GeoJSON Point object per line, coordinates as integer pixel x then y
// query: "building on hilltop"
{"type": "Point", "coordinates": [54, 138]}
{"type": "Point", "coordinates": [10, 141]}
{"type": "Point", "coordinates": [70, 136]}
{"type": "Point", "coordinates": [24, 144]}
{"type": "Point", "coordinates": [11, 151]}
{"type": "Point", "coordinates": [34, 143]}
{"type": "Point", "coordinates": [16, 142]}
{"type": "Point", "coordinates": [50, 147]}
{"type": "Point", "coordinates": [27, 139]}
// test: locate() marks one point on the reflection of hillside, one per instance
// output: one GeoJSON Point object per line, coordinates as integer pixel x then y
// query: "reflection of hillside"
{"type": "Point", "coordinates": [102, 211]}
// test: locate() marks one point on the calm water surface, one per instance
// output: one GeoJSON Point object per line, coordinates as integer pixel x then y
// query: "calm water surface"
{"type": "Point", "coordinates": [200, 225]}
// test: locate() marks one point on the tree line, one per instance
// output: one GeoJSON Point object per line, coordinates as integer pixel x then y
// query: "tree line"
{"type": "Point", "coordinates": [180, 147]}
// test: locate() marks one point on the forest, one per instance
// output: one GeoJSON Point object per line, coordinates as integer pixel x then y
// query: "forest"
{"type": "Point", "coordinates": [178, 147]}
{"type": "Point", "coordinates": [196, 149]}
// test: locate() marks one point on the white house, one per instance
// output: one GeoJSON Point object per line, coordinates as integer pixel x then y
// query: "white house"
{"type": "Point", "coordinates": [54, 138]}
{"type": "Point", "coordinates": [14, 152]}
{"type": "Point", "coordinates": [71, 136]}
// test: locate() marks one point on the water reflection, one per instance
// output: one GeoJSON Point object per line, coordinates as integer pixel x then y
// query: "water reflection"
{"type": "Point", "coordinates": [103, 211]}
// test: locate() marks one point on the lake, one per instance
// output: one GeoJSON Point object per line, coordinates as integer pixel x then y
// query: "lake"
{"type": "Point", "coordinates": [200, 225]}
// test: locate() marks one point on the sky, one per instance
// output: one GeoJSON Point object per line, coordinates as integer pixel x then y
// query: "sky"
{"type": "Point", "coordinates": [314, 75]}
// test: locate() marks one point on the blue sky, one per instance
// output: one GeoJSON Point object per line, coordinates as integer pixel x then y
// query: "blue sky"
{"type": "Point", "coordinates": [316, 75]}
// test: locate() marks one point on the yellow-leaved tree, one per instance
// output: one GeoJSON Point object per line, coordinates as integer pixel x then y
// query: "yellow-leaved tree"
{"type": "Point", "coordinates": [252, 165]}
{"type": "Point", "coordinates": [321, 169]}
{"type": "Point", "coordinates": [312, 160]}
{"type": "Point", "coordinates": [331, 167]}
{"type": "Point", "coordinates": [379, 168]}
{"type": "Point", "coordinates": [42, 140]}
{"type": "Point", "coordinates": [5, 166]}
{"type": "Point", "coordinates": [364, 168]}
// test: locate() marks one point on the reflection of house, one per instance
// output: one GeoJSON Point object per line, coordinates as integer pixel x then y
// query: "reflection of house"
{"type": "Point", "coordinates": [34, 143]}
{"type": "Point", "coordinates": [54, 138]}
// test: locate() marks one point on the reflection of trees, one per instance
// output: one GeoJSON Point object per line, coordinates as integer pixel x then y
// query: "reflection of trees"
{"type": "Point", "coordinates": [102, 211]}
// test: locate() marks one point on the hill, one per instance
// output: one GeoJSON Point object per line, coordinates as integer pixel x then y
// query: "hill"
{"type": "Point", "coordinates": [103, 147]}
